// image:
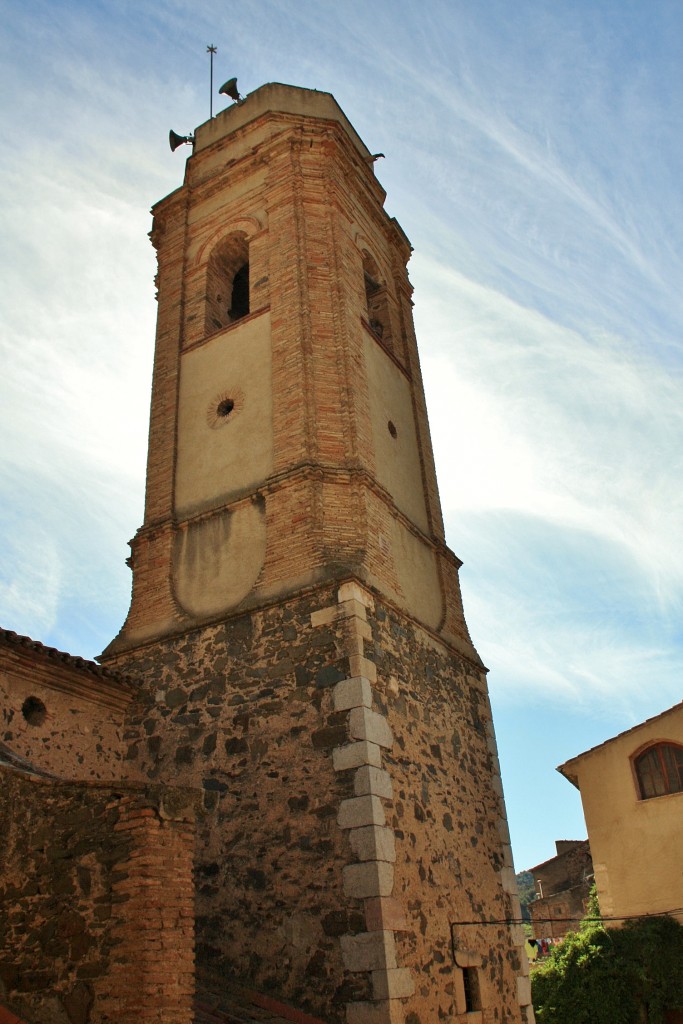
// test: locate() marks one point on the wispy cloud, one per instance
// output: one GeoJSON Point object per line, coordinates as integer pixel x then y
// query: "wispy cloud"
{"type": "Point", "coordinates": [581, 431]}
{"type": "Point", "coordinates": [30, 582]}
{"type": "Point", "coordinates": [562, 619]}
{"type": "Point", "coordinates": [533, 157]}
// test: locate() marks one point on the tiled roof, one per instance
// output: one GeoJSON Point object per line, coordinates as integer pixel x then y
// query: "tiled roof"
{"type": "Point", "coordinates": [242, 1006]}
{"type": "Point", "coordinates": [12, 760]}
{"type": "Point", "coordinates": [7, 1016]}
{"type": "Point", "coordinates": [579, 842]}
{"type": "Point", "coordinates": [9, 638]}
{"type": "Point", "coordinates": [634, 728]}
{"type": "Point", "coordinates": [205, 1014]}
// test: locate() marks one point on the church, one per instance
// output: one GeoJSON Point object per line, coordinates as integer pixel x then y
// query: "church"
{"type": "Point", "coordinates": [276, 796]}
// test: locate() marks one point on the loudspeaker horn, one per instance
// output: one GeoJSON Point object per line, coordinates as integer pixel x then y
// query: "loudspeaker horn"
{"type": "Point", "coordinates": [229, 88]}
{"type": "Point", "coordinates": [175, 140]}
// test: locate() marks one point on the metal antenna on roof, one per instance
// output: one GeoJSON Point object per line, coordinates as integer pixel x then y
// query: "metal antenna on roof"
{"type": "Point", "coordinates": [211, 49]}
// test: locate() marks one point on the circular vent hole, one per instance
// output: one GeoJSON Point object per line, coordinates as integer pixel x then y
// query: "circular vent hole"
{"type": "Point", "coordinates": [225, 407]}
{"type": "Point", "coordinates": [392, 429]}
{"type": "Point", "coordinates": [34, 711]}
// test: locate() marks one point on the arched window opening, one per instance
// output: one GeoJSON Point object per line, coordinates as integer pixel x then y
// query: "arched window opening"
{"type": "Point", "coordinates": [227, 283]}
{"type": "Point", "coordinates": [239, 305]}
{"type": "Point", "coordinates": [376, 300]}
{"type": "Point", "coordinates": [659, 770]}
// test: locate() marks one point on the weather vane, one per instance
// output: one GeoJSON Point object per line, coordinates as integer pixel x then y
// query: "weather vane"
{"type": "Point", "coordinates": [228, 88]}
{"type": "Point", "coordinates": [211, 49]}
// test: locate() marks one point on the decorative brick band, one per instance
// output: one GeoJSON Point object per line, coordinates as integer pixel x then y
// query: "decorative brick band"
{"type": "Point", "coordinates": [370, 877]}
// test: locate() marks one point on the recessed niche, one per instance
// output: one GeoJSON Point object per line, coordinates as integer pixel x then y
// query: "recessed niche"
{"type": "Point", "coordinates": [34, 711]}
{"type": "Point", "coordinates": [392, 429]}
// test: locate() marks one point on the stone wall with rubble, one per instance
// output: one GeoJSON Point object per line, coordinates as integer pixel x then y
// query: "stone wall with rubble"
{"type": "Point", "coordinates": [242, 710]}
{"type": "Point", "coordinates": [563, 884]}
{"type": "Point", "coordinates": [334, 857]}
{"type": "Point", "coordinates": [83, 934]}
{"type": "Point", "coordinates": [454, 873]}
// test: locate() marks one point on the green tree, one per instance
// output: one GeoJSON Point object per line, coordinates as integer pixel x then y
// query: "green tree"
{"type": "Point", "coordinates": [592, 908]}
{"type": "Point", "coordinates": [604, 975]}
{"type": "Point", "coordinates": [527, 892]}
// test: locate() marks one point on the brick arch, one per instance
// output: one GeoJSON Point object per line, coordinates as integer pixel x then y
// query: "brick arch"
{"type": "Point", "coordinates": [227, 282]}
{"type": "Point", "coordinates": [248, 226]}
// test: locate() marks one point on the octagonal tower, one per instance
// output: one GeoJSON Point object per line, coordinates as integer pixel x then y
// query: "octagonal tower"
{"type": "Point", "coordinates": [296, 623]}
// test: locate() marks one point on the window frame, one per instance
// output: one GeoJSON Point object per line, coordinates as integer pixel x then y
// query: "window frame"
{"type": "Point", "coordinates": [657, 748]}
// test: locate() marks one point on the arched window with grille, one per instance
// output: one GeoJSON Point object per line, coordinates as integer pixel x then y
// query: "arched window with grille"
{"type": "Point", "coordinates": [659, 770]}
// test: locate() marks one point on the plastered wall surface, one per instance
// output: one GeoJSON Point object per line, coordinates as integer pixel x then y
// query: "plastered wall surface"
{"type": "Point", "coordinates": [396, 454]}
{"type": "Point", "coordinates": [626, 832]}
{"type": "Point", "coordinates": [218, 559]}
{"type": "Point", "coordinates": [220, 457]}
{"type": "Point", "coordinates": [73, 736]}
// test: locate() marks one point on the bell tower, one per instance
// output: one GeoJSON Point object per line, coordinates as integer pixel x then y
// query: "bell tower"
{"type": "Point", "coordinates": [296, 623]}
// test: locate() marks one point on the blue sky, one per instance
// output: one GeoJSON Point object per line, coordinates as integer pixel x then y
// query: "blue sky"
{"type": "Point", "coordinates": [533, 157]}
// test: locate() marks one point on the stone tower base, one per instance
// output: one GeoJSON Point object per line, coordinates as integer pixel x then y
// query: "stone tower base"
{"type": "Point", "coordinates": [353, 856]}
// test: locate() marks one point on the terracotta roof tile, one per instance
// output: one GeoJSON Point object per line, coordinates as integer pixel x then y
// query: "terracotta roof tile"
{"type": "Point", "coordinates": [8, 1017]}
{"type": "Point", "coordinates": [243, 1006]}
{"type": "Point", "coordinates": [9, 638]}
{"type": "Point", "coordinates": [11, 760]}
{"type": "Point", "coordinates": [605, 743]}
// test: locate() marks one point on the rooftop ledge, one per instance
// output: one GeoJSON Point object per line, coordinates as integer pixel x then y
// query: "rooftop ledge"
{"type": "Point", "coordinates": [278, 99]}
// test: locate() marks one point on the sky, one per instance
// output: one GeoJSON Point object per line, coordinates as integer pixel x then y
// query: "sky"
{"type": "Point", "coordinates": [533, 157]}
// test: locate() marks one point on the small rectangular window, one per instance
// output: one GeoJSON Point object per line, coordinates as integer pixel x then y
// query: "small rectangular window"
{"type": "Point", "coordinates": [469, 961]}
{"type": "Point", "coordinates": [470, 980]}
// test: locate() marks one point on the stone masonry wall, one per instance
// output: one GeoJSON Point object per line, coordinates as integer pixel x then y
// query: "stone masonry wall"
{"type": "Point", "coordinates": [243, 711]}
{"type": "Point", "coordinates": [453, 875]}
{"type": "Point", "coordinates": [84, 936]}
{"type": "Point", "coordinates": [354, 825]}
{"type": "Point", "coordinates": [571, 866]}
{"type": "Point", "coordinates": [565, 882]}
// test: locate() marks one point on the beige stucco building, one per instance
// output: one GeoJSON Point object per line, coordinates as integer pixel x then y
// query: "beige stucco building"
{"type": "Point", "coordinates": [632, 793]}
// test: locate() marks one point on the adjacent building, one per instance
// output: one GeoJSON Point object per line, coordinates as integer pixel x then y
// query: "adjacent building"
{"type": "Point", "coordinates": [563, 884]}
{"type": "Point", "coordinates": [632, 793]}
